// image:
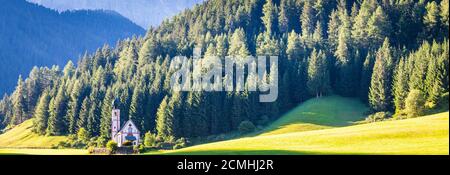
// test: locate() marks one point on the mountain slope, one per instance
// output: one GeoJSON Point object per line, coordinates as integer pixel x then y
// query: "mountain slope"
{"type": "Point", "coordinates": [21, 136]}
{"type": "Point", "coordinates": [145, 13]}
{"type": "Point", "coordinates": [32, 35]}
{"type": "Point", "coordinates": [321, 113]}
{"type": "Point", "coordinates": [424, 135]}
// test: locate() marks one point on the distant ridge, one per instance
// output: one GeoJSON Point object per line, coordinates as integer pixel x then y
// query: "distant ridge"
{"type": "Point", "coordinates": [145, 13]}
{"type": "Point", "coordinates": [32, 35]}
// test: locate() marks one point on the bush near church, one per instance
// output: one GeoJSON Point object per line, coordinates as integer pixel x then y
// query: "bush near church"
{"type": "Point", "coordinates": [111, 146]}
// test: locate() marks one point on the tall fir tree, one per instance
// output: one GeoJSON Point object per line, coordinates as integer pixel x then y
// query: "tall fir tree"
{"type": "Point", "coordinates": [58, 106]}
{"type": "Point", "coordinates": [400, 85]}
{"type": "Point", "coordinates": [19, 104]}
{"type": "Point", "coordinates": [380, 94]}
{"type": "Point", "coordinates": [270, 19]}
{"type": "Point", "coordinates": [41, 114]}
{"type": "Point", "coordinates": [318, 74]}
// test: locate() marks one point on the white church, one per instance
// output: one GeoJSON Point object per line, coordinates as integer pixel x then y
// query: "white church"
{"type": "Point", "coordinates": [127, 132]}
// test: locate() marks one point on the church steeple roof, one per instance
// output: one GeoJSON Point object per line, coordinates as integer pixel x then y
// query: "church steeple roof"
{"type": "Point", "coordinates": [115, 103]}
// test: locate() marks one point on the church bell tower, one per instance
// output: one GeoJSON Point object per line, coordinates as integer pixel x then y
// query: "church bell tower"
{"type": "Point", "coordinates": [115, 122]}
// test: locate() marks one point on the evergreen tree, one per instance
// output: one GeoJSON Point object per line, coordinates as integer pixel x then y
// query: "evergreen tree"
{"type": "Point", "coordinates": [41, 114]}
{"type": "Point", "coordinates": [318, 74]}
{"type": "Point", "coordinates": [317, 36]}
{"type": "Point", "coordinates": [307, 20]}
{"type": "Point", "coordinates": [444, 14]}
{"type": "Point", "coordinates": [283, 16]}
{"type": "Point", "coordinates": [432, 21]}
{"type": "Point", "coordinates": [18, 102]}
{"type": "Point", "coordinates": [238, 45]}
{"type": "Point", "coordinates": [366, 76]}
{"type": "Point", "coordinates": [267, 45]}
{"type": "Point", "coordinates": [294, 48]}
{"type": "Point", "coordinates": [137, 107]}
{"type": "Point", "coordinates": [270, 19]}
{"type": "Point", "coordinates": [84, 113]}
{"type": "Point", "coordinates": [6, 110]}
{"type": "Point", "coordinates": [379, 27]}
{"type": "Point", "coordinates": [93, 122]}
{"type": "Point", "coordinates": [380, 97]}
{"type": "Point", "coordinates": [163, 119]}
{"type": "Point", "coordinates": [174, 115]}
{"type": "Point", "coordinates": [105, 119]}
{"type": "Point", "coordinates": [400, 86]}
{"type": "Point", "coordinates": [56, 124]}
{"type": "Point", "coordinates": [360, 31]}
{"type": "Point", "coordinates": [420, 63]}
{"type": "Point", "coordinates": [76, 97]}
{"type": "Point", "coordinates": [149, 51]}
{"type": "Point", "coordinates": [333, 30]}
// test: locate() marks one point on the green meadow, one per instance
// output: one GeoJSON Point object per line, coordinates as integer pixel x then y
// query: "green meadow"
{"type": "Point", "coordinates": [327, 126]}
{"type": "Point", "coordinates": [21, 140]}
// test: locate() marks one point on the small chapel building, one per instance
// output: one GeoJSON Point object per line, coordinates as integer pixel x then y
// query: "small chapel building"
{"type": "Point", "coordinates": [123, 133]}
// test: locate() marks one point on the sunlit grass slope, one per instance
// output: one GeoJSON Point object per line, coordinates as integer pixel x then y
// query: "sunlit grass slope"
{"type": "Point", "coordinates": [320, 113]}
{"type": "Point", "coordinates": [424, 135]}
{"type": "Point", "coordinates": [22, 137]}
{"type": "Point", "coordinates": [42, 152]}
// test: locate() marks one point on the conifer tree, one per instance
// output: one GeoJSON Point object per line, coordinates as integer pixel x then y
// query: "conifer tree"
{"type": "Point", "coordinates": [56, 124]}
{"type": "Point", "coordinates": [420, 63]}
{"type": "Point", "coordinates": [294, 50]}
{"type": "Point", "coordinates": [105, 119]}
{"type": "Point", "coordinates": [360, 28]}
{"type": "Point", "coordinates": [318, 74]}
{"type": "Point", "coordinates": [333, 30]}
{"type": "Point", "coordinates": [163, 119]}
{"type": "Point", "coordinates": [400, 85]}
{"type": "Point", "coordinates": [41, 114]}
{"type": "Point", "coordinates": [84, 114]}
{"type": "Point", "coordinates": [444, 14]}
{"type": "Point", "coordinates": [317, 36]}
{"type": "Point", "coordinates": [238, 45]}
{"type": "Point", "coordinates": [175, 115]}
{"type": "Point", "coordinates": [366, 76]}
{"type": "Point", "coordinates": [270, 19]}
{"type": "Point", "coordinates": [18, 102]}
{"type": "Point", "coordinates": [379, 27]}
{"type": "Point", "coordinates": [308, 22]}
{"type": "Point", "coordinates": [76, 97]}
{"type": "Point", "coordinates": [93, 122]}
{"type": "Point", "coordinates": [380, 97]}
{"type": "Point", "coordinates": [137, 107]}
{"type": "Point", "coordinates": [283, 16]}
{"type": "Point", "coordinates": [432, 20]}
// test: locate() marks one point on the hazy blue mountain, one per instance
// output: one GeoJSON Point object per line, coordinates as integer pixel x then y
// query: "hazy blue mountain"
{"type": "Point", "coordinates": [143, 12]}
{"type": "Point", "coordinates": [32, 35]}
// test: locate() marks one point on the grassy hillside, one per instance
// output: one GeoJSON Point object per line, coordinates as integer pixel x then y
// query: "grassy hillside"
{"type": "Point", "coordinates": [22, 137]}
{"type": "Point", "coordinates": [425, 135]}
{"type": "Point", "coordinates": [323, 126]}
{"type": "Point", "coordinates": [321, 113]}
{"type": "Point", "coordinates": [42, 152]}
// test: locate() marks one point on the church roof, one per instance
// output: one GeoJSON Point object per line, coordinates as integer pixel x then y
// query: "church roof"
{"type": "Point", "coordinates": [115, 104]}
{"type": "Point", "coordinates": [126, 124]}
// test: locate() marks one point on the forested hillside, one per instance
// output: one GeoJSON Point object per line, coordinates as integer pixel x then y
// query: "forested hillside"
{"type": "Point", "coordinates": [393, 55]}
{"type": "Point", "coordinates": [32, 35]}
